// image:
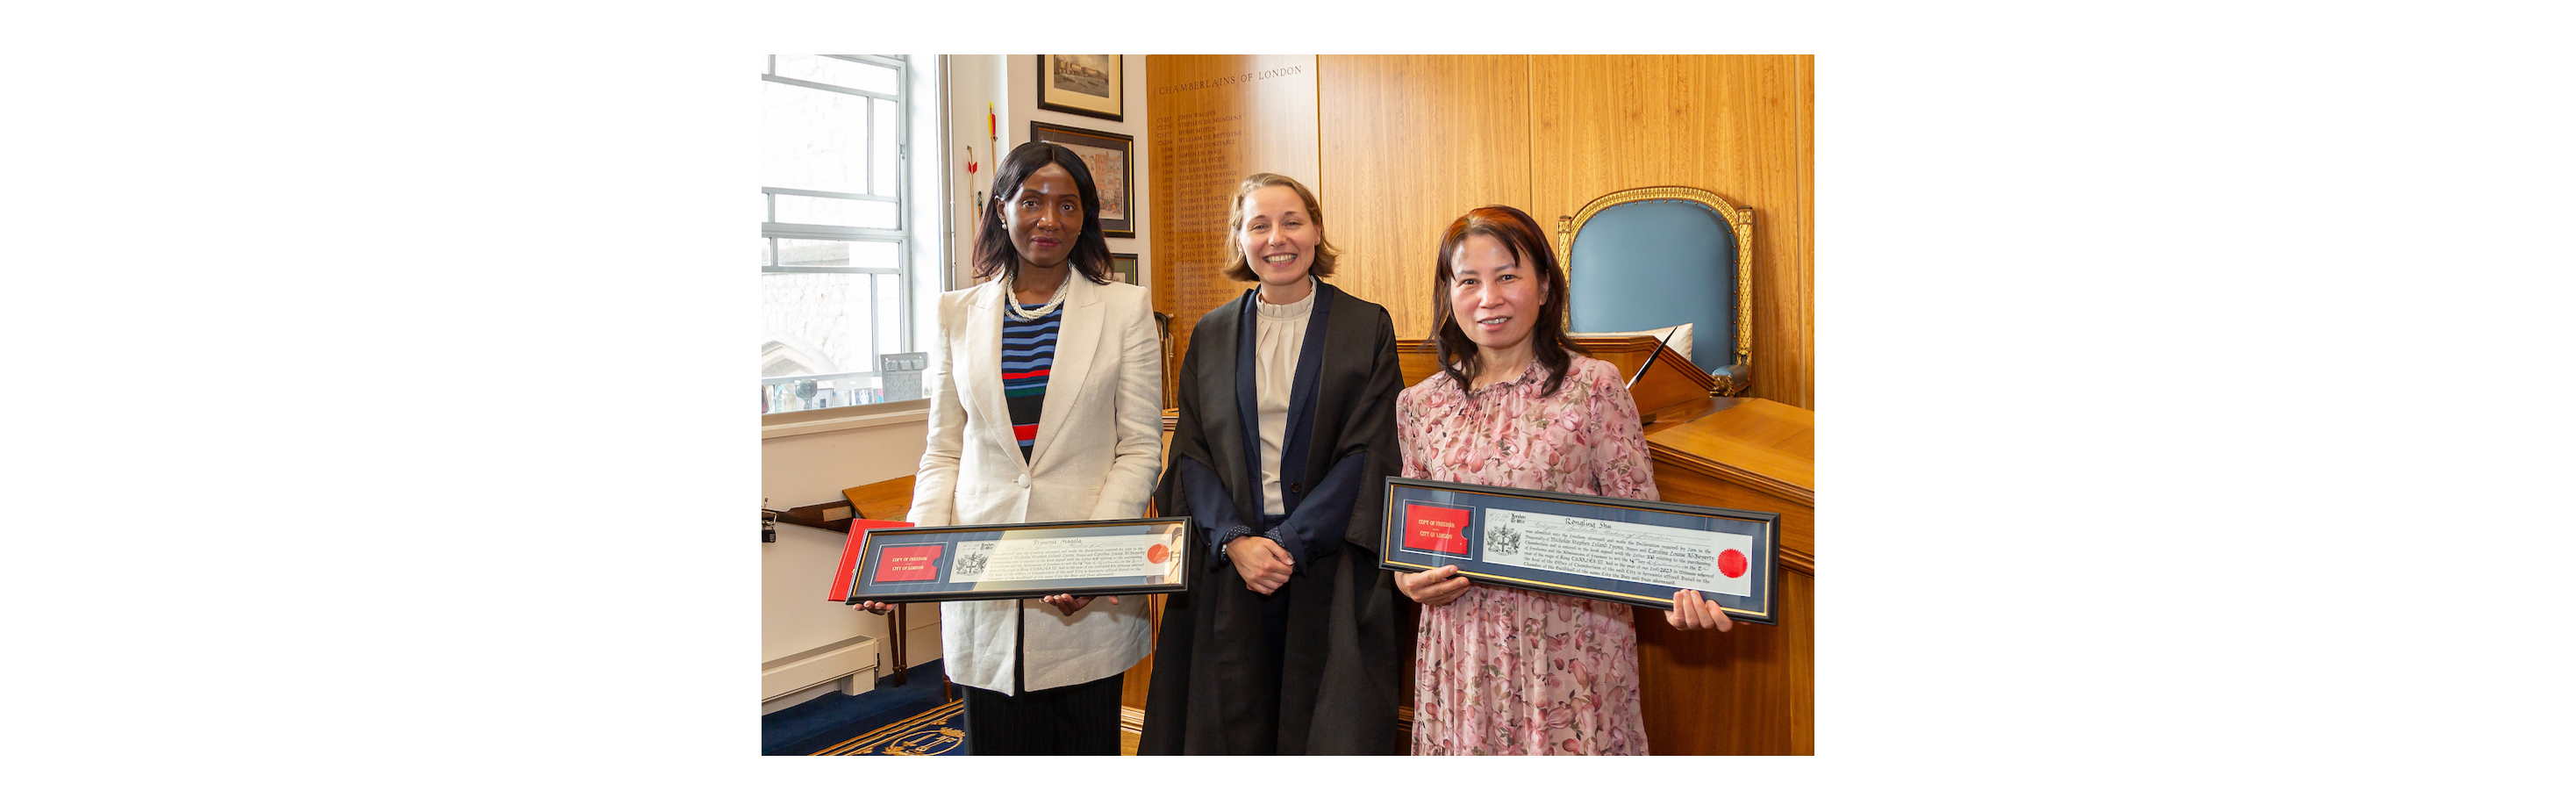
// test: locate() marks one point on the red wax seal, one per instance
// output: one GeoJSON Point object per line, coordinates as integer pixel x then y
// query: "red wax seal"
{"type": "Point", "coordinates": [1157, 554]}
{"type": "Point", "coordinates": [1732, 563]}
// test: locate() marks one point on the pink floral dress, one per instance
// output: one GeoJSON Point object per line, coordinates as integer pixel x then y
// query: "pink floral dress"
{"type": "Point", "coordinates": [1501, 671]}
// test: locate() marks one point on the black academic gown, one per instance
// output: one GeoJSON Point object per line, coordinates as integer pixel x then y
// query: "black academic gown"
{"type": "Point", "coordinates": [1337, 692]}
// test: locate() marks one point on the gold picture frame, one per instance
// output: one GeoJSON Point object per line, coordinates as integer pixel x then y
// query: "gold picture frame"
{"type": "Point", "coordinates": [1112, 159]}
{"type": "Point", "coordinates": [1091, 86]}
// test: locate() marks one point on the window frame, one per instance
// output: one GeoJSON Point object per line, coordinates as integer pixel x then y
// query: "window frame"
{"type": "Point", "coordinates": [902, 236]}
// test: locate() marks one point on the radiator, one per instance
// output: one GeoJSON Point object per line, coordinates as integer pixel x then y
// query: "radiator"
{"type": "Point", "coordinates": [805, 669]}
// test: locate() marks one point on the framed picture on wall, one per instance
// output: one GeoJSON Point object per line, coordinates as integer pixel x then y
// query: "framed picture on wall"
{"type": "Point", "coordinates": [1083, 85]}
{"type": "Point", "coordinates": [1123, 265]}
{"type": "Point", "coordinates": [1112, 159]}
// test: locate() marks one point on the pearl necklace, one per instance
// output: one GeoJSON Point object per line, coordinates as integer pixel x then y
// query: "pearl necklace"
{"type": "Point", "coordinates": [1026, 314]}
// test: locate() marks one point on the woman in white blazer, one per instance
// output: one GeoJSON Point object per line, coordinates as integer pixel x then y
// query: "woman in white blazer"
{"type": "Point", "coordinates": [1042, 676]}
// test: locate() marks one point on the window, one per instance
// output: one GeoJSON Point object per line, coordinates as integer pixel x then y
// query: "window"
{"type": "Point", "coordinates": [837, 232]}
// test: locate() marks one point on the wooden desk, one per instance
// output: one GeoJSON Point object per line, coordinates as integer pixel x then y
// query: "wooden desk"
{"type": "Point", "coordinates": [1751, 690]}
{"type": "Point", "coordinates": [884, 500]}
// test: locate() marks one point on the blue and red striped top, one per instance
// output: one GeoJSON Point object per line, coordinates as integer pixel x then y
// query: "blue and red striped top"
{"type": "Point", "coordinates": [1028, 352]}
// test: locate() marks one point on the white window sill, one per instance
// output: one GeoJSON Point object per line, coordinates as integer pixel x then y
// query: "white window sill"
{"type": "Point", "coordinates": [799, 423]}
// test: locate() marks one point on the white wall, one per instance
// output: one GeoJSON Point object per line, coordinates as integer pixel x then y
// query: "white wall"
{"type": "Point", "coordinates": [1010, 83]}
{"type": "Point", "coordinates": [796, 571]}
{"type": "Point", "coordinates": [972, 81]}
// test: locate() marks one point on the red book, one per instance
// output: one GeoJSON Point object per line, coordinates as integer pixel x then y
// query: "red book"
{"type": "Point", "coordinates": [850, 554]}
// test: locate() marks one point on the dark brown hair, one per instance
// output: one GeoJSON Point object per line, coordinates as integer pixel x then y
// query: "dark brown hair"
{"type": "Point", "coordinates": [994, 253]}
{"type": "Point", "coordinates": [1238, 266]}
{"type": "Point", "coordinates": [1549, 344]}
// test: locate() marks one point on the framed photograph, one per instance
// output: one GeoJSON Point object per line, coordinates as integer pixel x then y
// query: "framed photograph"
{"type": "Point", "coordinates": [1634, 552]}
{"type": "Point", "coordinates": [1083, 85]}
{"type": "Point", "coordinates": [1022, 560]}
{"type": "Point", "coordinates": [1112, 160]}
{"type": "Point", "coordinates": [1123, 265]}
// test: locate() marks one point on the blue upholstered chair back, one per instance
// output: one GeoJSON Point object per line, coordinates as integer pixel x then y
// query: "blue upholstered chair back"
{"type": "Point", "coordinates": [1656, 257]}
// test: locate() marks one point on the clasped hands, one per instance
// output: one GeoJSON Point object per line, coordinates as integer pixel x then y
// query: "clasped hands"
{"type": "Point", "coordinates": [1067, 604]}
{"type": "Point", "coordinates": [1263, 563]}
{"type": "Point", "coordinates": [1441, 585]}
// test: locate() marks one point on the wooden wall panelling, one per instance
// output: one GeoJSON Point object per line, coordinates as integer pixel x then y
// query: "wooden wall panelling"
{"type": "Point", "coordinates": [1740, 126]}
{"type": "Point", "coordinates": [1140, 677]}
{"type": "Point", "coordinates": [1806, 242]}
{"type": "Point", "coordinates": [1212, 120]}
{"type": "Point", "coordinates": [1409, 143]}
{"type": "Point", "coordinates": [1798, 640]}
{"type": "Point", "coordinates": [1131, 692]}
{"type": "Point", "coordinates": [1767, 88]}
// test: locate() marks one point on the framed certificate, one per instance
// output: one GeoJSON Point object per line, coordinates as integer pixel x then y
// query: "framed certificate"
{"type": "Point", "coordinates": [1634, 552]}
{"type": "Point", "coordinates": [1022, 560]}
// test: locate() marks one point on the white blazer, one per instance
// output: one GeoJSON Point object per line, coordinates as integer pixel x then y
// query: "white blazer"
{"type": "Point", "coordinates": [1097, 455]}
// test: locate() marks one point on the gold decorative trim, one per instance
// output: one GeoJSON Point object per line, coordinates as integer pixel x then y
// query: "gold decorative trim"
{"type": "Point", "coordinates": [1740, 219]}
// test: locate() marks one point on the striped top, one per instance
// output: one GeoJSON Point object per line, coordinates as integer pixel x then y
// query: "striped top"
{"type": "Point", "coordinates": [1028, 351]}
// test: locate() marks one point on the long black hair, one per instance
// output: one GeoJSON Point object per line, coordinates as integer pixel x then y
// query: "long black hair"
{"type": "Point", "coordinates": [994, 253]}
{"type": "Point", "coordinates": [1549, 344]}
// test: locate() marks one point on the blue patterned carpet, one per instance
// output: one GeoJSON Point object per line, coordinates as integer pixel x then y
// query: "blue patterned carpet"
{"type": "Point", "coordinates": [907, 719]}
{"type": "Point", "coordinates": [941, 731]}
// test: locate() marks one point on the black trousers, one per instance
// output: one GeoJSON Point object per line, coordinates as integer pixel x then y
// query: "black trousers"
{"type": "Point", "coordinates": [1072, 720]}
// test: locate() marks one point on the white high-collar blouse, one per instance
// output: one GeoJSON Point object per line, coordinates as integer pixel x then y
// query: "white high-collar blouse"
{"type": "Point", "coordinates": [1277, 340]}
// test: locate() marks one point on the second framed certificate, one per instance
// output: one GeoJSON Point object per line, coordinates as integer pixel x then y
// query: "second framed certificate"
{"type": "Point", "coordinates": [1022, 560]}
{"type": "Point", "coordinates": [1635, 552]}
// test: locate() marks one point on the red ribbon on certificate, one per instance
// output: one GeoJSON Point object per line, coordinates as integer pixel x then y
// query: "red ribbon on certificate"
{"type": "Point", "coordinates": [908, 563]}
{"type": "Point", "coordinates": [850, 554]}
{"type": "Point", "coordinates": [1439, 529]}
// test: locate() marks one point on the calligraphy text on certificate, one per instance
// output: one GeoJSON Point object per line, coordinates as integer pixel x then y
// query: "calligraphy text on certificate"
{"type": "Point", "coordinates": [1058, 558]}
{"type": "Point", "coordinates": [1633, 552]}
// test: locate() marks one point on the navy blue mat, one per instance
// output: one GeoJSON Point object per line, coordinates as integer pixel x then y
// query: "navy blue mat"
{"type": "Point", "coordinates": [830, 723]}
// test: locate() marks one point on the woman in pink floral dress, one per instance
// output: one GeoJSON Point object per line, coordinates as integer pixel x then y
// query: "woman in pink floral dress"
{"type": "Point", "coordinates": [1500, 671]}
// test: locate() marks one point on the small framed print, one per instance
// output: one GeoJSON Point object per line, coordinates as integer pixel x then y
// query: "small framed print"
{"type": "Point", "coordinates": [1634, 552]}
{"type": "Point", "coordinates": [1022, 560]}
{"type": "Point", "coordinates": [1112, 160]}
{"type": "Point", "coordinates": [1124, 266]}
{"type": "Point", "coordinates": [1092, 86]}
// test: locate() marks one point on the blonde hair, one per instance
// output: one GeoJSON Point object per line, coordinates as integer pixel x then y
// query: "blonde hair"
{"type": "Point", "coordinates": [1238, 267]}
